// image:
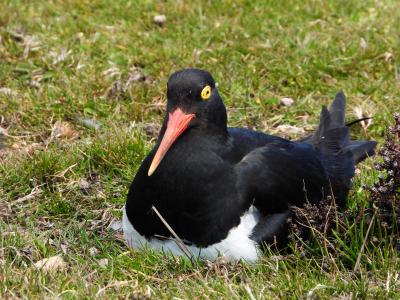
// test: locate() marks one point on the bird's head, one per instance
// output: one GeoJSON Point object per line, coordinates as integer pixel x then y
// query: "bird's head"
{"type": "Point", "coordinates": [193, 102]}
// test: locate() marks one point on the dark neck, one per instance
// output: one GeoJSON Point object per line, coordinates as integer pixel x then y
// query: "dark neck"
{"type": "Point", "coordinates": [211, 137]}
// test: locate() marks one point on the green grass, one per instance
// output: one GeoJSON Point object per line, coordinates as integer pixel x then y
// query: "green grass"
{"type": "Point", "coordinates": [258, 52]}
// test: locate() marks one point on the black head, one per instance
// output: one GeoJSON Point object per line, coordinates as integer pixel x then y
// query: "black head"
{"type": "Point", "coordinates": [194, 91]}
{"type": "Point", "coordinates": [193, 104]}
{"type": "Point", "coordinates": [186, 85]}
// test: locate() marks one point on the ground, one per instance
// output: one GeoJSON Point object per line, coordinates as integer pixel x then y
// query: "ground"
{"type": "Point", "coordinates": [82, 94]}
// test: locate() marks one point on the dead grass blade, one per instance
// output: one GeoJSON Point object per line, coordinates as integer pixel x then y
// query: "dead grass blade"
{"type": "Point", "coordinates": [358, 261]}
{"type": "Point", "coordinates": [177, 239]}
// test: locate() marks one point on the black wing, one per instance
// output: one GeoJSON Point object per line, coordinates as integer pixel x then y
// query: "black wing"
{"type": "Point", "coordinates": [276, 176]}
{"type": "Point", "coordinates": [246, 140]}
{"type": "Point", "coordinates": [281, 173]}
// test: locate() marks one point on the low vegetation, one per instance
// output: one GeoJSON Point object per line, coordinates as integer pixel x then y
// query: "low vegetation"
{"type": "Point", "coordinates": [82, 95]}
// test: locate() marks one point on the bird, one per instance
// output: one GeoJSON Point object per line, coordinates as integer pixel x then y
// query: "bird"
{"type": "Point", "coordinates": [215, 191]}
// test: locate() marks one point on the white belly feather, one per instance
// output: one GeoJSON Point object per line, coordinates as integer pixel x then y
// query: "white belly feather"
{"type": "Point", "coordinates": [237, 245]}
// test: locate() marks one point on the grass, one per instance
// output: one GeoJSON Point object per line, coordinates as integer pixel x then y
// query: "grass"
{"type": "Point", "coordinates": [75, 132]}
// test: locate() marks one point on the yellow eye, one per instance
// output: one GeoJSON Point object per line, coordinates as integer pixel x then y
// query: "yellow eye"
{"type": "Point", "coordinates": [206, 92]}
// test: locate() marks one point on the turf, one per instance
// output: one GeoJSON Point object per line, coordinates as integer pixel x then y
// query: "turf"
{"type": "Point", "coordinates": [82, 93]}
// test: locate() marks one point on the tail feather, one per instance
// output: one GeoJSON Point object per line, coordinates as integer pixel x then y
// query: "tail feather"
{"type": "Point", "coordinates": [337, 110]}
{"type": "Point", "coordinates": [338, 153]}
{"type": "Point", "coordinates": [333, 134]}
{"type": "Point", "coordinates": [361, 149]}
{"type": "Point", "coordinates": [335, 140]}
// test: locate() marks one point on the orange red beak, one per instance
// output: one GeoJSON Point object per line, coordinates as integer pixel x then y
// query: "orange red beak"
{"type": "Point", "coordinates": [178, 122]}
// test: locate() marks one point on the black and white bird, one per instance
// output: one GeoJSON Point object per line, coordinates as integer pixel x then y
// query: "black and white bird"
{"type": "Point", "coordinates": [228, 191]}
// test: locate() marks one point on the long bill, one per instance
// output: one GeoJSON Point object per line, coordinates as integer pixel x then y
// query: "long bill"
{"type": "Point", "coordinates": [178, 122]}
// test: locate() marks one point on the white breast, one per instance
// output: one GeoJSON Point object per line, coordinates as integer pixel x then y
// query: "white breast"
{"type": "Point", "coordinates": [237, 245]}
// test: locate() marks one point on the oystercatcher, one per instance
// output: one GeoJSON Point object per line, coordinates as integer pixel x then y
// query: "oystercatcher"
{"type": "Point", "coordinates": [228, 191]}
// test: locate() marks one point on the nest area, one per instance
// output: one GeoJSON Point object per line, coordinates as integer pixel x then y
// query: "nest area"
{"type": "Point", "coordinates": [383, 203]}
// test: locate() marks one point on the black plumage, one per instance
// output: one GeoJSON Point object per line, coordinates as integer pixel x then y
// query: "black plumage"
{"type": "Point", "coordinates": [204, 176]}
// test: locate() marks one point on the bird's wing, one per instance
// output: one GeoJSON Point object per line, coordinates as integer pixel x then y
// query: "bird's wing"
{"type": "Point", "coordinates": [276, 176]}
{"type": "Point", "coordinates": [281, 173]}
{"type": "Point", "coordinates": [245, 140]}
